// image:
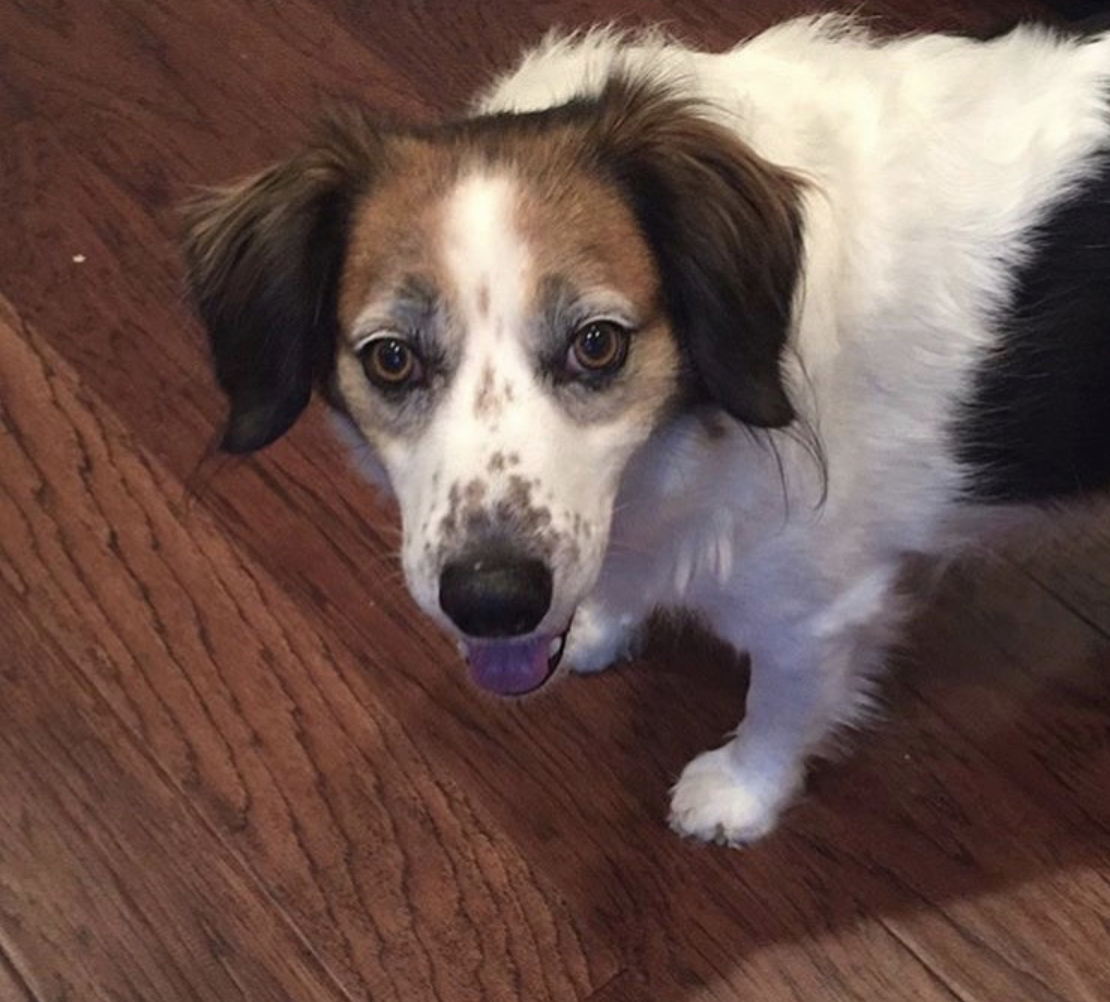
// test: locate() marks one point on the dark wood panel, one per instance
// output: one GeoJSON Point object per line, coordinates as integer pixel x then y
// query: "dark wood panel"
{"type": "Point", "coordinates": [109, 886]}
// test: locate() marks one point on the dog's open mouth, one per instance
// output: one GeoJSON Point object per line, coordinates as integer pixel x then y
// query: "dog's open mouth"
{"type": "Point", "coordinates": [514, 667]}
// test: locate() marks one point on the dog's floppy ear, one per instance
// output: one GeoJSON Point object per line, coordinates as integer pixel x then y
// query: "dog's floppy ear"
{"type": "Point", "coordinates": [264, 257]}
{"type": "Point", "coordinates": [725, 228]}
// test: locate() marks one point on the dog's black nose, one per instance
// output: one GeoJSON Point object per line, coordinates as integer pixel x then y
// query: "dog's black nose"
{"type": "Point", "coordinates": [495, 596]}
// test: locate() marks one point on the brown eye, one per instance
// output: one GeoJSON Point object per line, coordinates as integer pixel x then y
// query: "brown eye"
{"type": "Point", "coordinates": [390, 362]}
{"type": "Point", "coordinates": [598, 347]}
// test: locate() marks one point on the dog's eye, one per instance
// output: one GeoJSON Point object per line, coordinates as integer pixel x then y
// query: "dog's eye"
{"type": "Point", "coordinates": [598, 347]}
{"type": "Point", "coordinates": [390, 362]}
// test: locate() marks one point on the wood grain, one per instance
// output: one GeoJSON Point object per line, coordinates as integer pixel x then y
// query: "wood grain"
{"type": "Point", "coordinates": [110, 887]}
{"type": "Point", "coordinates": [12, 985]}
{"type": "Point", "coordinates": [233, 641]}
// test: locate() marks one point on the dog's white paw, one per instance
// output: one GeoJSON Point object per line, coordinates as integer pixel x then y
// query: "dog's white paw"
{"type": "Point", "coordinates": [597, 641]}
{"type": "Point", "coordinates": [717, 799]}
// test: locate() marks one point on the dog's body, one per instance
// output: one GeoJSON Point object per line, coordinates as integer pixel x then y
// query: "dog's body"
{"type": "Point", "coordinates": [900, 270]}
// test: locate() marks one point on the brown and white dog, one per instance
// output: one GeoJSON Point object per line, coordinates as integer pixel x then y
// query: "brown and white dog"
{"type": "Point", "coordinates": [734, 333]}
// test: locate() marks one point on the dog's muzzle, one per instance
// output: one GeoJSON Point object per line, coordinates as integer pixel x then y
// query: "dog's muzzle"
{"type": "Point", "coordinates": [497, 601]}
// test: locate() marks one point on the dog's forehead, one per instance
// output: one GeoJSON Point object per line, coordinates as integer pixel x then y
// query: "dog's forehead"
{"type": "Point", "coordinates": [486, 233]}
{"type": "Point", "coordinates": [487, 263]}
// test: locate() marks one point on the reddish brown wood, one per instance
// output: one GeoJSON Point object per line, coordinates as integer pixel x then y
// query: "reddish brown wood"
{"type": "Point", "coordinates": [12, 984]}
{"type": "Point", "coordinates": [110, 884]}
{"type": "Point", "coordinates": [237, 643]}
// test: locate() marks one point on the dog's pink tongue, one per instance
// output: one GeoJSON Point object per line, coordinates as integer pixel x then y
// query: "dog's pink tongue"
{"type": "Point", "coordinates": [510, 667]}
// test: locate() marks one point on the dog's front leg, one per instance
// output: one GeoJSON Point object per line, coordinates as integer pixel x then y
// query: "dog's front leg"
{"type": "Point", "coordinates": [810, 673]}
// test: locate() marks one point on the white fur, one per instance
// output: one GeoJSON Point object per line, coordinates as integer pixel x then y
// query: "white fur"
{"type": "Point", "coordinates": [919, 153]}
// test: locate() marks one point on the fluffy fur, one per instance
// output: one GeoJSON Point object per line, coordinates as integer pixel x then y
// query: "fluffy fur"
{"type": "Point", "coordinates": [865, 282]}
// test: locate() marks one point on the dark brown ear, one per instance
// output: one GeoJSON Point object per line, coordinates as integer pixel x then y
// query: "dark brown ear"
{"type": "Point", "coordinates": [725, 227]}
{"type": "Point", "coordinates": [264, 257]}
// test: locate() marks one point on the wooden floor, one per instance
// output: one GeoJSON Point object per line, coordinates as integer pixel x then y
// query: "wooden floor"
{"type": "Point", "coordinates": [235, 764]}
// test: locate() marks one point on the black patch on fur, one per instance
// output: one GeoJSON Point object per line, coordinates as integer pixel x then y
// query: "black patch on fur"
{"type": "Point", "coordinates": [1037, 425]}
{"type": "Point", "coordinates": [264, 260]}
{"type": "Point", "coordinates": [1084, 14]}
{"type": "Point", "coordinates": [1096, 24]}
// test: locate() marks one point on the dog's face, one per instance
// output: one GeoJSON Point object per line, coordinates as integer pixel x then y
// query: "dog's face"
{"type": "Point", "coordinates": [503, 310]}
{"type": "Point", "coordinates": [504, 349]}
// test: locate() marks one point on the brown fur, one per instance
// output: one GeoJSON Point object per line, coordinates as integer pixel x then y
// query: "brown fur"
{"type": "Point", "coordinates": [468, 520]}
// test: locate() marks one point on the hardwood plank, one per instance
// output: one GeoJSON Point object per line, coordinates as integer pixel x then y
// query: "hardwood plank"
{"type": "Point", "coordinates": [1002, 709]}
{"type": "Point", "coordinates": [101, 894]}
{"type": "Point", "coordinates": [1027, 677]}
{"type": "Point", "coordinates": [1073, 566]}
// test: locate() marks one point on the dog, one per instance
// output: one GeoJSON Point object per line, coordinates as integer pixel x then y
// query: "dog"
{"type": "Point", "coordinates": [734, 333]}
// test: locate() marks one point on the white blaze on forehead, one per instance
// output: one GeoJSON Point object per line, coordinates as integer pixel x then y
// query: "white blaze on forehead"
{"type": "Point", "coordinates": [484, 254]}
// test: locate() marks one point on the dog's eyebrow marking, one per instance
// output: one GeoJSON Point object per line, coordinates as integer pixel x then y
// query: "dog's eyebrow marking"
{"type": "Point", "coordinates": [410, 308]}
{"type": "Point", "coordinates": [562, 298]}
{"type": "Point", "coordinates": [555, 297]}
{"type": "Point", "coordinates": [563, 306]}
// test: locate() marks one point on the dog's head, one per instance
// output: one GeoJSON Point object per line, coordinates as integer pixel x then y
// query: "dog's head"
{"type": "Point", "coordinates": [503, 308]}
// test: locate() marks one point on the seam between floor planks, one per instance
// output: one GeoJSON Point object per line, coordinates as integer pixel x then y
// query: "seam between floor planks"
{"type": "Point", "coordinates": [10, 971]}
{"type": "Point", "coordinates": [938, 975]}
